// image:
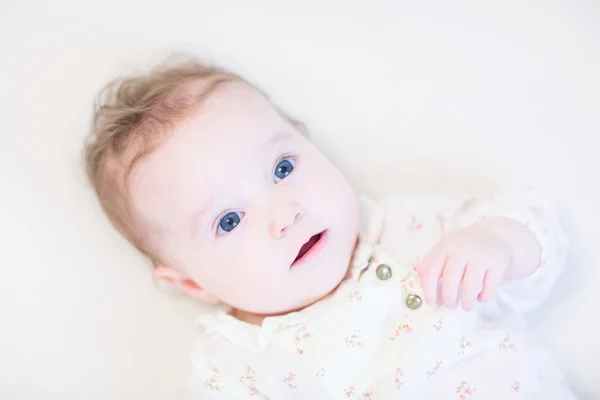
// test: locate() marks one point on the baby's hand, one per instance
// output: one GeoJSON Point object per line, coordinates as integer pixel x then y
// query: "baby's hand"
{"type": "Point", "coordinates": [473, 260]}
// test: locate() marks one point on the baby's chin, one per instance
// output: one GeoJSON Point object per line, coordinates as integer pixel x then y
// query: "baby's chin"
{"type": "Point", "coordinates": [304, 289]}
{"type": "Point", "coordinates": [291, 304]}
{"type": "Point", "coordinates": [325, 288]}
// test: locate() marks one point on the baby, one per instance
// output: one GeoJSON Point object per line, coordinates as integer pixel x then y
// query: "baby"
{"type": "Point", "coordinates": [318, 294]}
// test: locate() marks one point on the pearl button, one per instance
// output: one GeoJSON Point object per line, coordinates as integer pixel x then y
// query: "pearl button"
{"type": "Point", "coordinates": [413, 301]}
{"type": "Point", "coordinates": [383, 272]}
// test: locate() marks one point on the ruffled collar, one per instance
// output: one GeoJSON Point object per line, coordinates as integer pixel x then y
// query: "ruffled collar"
{"type": "Point", "coordinates": [256, 338]}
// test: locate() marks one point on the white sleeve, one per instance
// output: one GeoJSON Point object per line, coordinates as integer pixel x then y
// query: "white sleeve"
{"type": "Point", "coordinates": [538, 214]}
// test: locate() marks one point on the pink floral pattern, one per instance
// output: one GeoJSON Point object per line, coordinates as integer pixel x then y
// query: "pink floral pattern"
{"type": "Point", "coordinates": [463, 390]}
{"type": "Point", "coordinates": [432, 371]}
{"type": "Point", "coordinates": [506, 344]}
{"type": "Point", "coordinates": [516, 386]}
{"type": "Point", "coordinates": [249, 380]}
{"type": "Point", "coordinates": [289, 380]}
{"type": "Point", "coordinates": [464, 345]}
{"type": "Point", "coordinates": [302, 333]}
{"type": "Point", "coordinates": [408, 282]}
{"type": "Point", "coordinates": [414, 225]}
{"type": "Point", "coordinates": [354, 339]}
{"type": "Point", "coordinates": [355, 295]}
{"type": "Point", "coordinates": [405, 327]}
{"type": "Point", "coordinates": [415, 265]}
{"type": "Point", "coordinates": [399, 381]}
{"type": "Point", "coordinates": [212, 383]}
{"type": "Point", "coordinates": [439, 325]}
{"type": "Point", "coordinates": [349, 392]}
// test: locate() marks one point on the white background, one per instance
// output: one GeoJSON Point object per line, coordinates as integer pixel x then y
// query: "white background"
{"type": "Point", "coordinates": [452, 96]}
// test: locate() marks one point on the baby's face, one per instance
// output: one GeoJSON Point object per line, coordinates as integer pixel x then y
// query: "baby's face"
{"type": "Point", "coordinates": [239, 201]}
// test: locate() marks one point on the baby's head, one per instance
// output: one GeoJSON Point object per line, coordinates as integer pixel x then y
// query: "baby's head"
{"type": "Point", "coordinates": [197, 169]}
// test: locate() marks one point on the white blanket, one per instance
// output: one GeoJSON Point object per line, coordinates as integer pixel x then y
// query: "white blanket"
{"type": "Point", "coordinates": [456, 97]}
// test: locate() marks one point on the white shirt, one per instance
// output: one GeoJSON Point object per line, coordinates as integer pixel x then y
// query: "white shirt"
{"type": "Point", "coordinates": [365, 342]}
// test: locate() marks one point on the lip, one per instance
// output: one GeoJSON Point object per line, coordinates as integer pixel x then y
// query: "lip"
{"type": "Point", "coordinates": [314, 251]}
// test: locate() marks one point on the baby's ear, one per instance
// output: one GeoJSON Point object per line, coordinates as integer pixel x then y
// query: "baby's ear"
{"type": "Point", "coordinates": [175, 279]}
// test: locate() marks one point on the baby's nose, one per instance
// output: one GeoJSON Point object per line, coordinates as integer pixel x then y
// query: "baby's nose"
{"type": "Point", "coordinates": [284, 218]}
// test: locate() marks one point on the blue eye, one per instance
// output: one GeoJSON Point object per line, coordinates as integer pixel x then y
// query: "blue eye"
{"type": "Point", "coordinates": [229, 222]}
{"type": "Point", "coordinates": [283, 169]}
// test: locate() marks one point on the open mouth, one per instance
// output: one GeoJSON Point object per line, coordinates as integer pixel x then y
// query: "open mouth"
{"type": "Point", "coordinates": [310, 248]}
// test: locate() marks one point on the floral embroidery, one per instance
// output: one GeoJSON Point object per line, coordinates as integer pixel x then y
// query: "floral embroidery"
{"type": "Point", "coordinates": [439, 325]}
{"type": "Point", "coordinates": [434, 370]}
{"type": "Point", "coordinates": [212, 383]}
{"type": "Point", "coordinates": [350, 391]}
{"type": "Point", "coordinates": [355, 295]}
{"type": "Point", "coordinates": [463, 390]}
{"type": "Point", "coordinates": [250, 380]}
{"type": "Point", "coordinates": [415, 266]}
{"type": "Point", "coordinates": [354, 339]}
{"type": "Point", "coordinates": [516, 386]}
{"type": "Point", "coordinates": [290, 380]}
{"type": "Point", "coordinates": [506, 344]}
{"type": "Point", "coordinates": [464, 346]}
{"type": "Point", "coordinates": [399, 381]}
{"type": "Point", "coordinates": [405, 327]}
{"type": "Point", "coordinates": [321, 373]}
{"type": "Point", "coordinates": [414, 225]}
{"type": "Point", "coordinates": [248, 376]}
{"type": "Point", "coordinates": [407, 282]}
{"type": "Point", "coordinates": [368, 395]}
{"type": "Point", "coordinates": [301, 334]}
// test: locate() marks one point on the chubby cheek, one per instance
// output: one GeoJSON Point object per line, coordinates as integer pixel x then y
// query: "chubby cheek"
{"type": "Point", "coordinates": [238, 277]}
{"type": "Point", "coordinates": [341, 200]}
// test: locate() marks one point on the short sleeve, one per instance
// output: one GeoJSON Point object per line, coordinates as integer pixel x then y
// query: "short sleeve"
{"type": "Point", "coordinates": [536, 213]}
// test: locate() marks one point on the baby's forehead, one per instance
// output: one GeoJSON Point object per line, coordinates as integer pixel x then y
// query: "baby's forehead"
{"type": "Point", "coordinates": [236, 100]}
{"type": "Point", "coordinates": [234, 124]}
{"type": "Point", "coordinates": [234, 115]}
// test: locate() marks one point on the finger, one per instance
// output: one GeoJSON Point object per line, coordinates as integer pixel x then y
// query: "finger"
{"type": "Point", "coordinates": [472, 285]}
{"type": "Point", "coordinates": [430, 270]}
{"type": "Point", "coordinates": [452, 276]}
{"type": "Point", "coordinates": [491, 284]}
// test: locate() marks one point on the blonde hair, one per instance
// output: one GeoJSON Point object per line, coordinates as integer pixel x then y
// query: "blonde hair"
{"type": "Point", "coordinates": [132, 115]}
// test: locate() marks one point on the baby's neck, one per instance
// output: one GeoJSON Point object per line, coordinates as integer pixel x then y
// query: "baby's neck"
{"type": "Point", "coordinates": [249, 318]}
{"type": "Point", "coordinates": [257, 319]}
